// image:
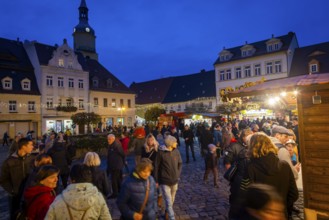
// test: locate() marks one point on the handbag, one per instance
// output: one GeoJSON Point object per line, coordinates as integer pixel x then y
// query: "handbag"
{"type": "Point", "coordinates": [230, 173]}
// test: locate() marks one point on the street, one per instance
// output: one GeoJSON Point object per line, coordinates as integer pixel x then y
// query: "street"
{"type": "Point", "coordinates": [194, 199]}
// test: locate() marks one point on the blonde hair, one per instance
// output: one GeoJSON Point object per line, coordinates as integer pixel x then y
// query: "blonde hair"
{"type": "Point", "coordinates": [92, 159]}
{"type": "Point", "coordinates": [261, 145]}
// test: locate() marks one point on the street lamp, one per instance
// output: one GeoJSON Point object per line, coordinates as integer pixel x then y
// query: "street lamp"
{"type": "Point", "coordinates": [121, 109]}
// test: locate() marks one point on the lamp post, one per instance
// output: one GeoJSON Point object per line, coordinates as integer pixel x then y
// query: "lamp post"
{"type": "Point", "coordinates": [121, 109]}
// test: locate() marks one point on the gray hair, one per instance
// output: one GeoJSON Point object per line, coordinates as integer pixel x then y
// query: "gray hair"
{"type": "Point", "coordinates": [92, 159]}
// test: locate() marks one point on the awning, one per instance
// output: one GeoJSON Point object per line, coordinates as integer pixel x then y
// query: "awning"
{"type": "Point", "coordinates": [285, 84]}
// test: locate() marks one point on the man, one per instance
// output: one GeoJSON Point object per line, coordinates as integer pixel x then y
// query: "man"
{"type": "Point", "coordinates": [14, 145]}
{"type": "Point", "coordinates": [14, 172]}
{"type": "Point", "coordinates": [115, 163]}
{"type": "Point", "coordinates": [280, 136]}
{"type": "Point", "coordinates": [5, 139]}
{"type": "Point", "coordinates": [80, 200]}
{"type": "Point", "coordinates": [168, 167]}
{"type": "Point", "coordinates": [189, 142]}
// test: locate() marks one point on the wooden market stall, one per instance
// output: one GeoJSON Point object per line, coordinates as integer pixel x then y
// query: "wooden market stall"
{"type": "Point", "coordinates": [313, 118]}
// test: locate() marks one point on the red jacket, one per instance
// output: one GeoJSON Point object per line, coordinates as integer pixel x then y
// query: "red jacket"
{"type": "Point", "coordinates": [38, 199]}
{"type": "Point", "coordinates": [125, 143]}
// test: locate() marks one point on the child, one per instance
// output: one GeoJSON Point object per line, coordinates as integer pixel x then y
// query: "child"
{"type": "Point", "coordinates": [211, 161]}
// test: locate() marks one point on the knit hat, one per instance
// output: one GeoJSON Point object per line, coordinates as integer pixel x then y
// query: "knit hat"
{"type": "Point", "coordinates": [170, 141]}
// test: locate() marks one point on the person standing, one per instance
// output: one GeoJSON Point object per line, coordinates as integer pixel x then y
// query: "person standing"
{"type": "Point", "coordinates": [80, 200]}
{"type": "Point", "coordinates": [14, 172]}
{"type": "Point", "coordinates": [168, 167]}
{"type": "Point", "coordinates": [189, 142]}
{"type": "Point", "coordinates": [211, 163]}
{"type": "Point", "coordinates": [115, 163]}
{"type": "Point", "coordinates": [5, 139]}
{"type": "Point", "coordinates": [138, 143]}
{"type": "Point", "coordinates": [14, 144]}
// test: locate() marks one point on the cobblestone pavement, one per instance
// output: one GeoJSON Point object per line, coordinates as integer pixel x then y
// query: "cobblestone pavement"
{"type": "Point", "coordinates": [194, 199]}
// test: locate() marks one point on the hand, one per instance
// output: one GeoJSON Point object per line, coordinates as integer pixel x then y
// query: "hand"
{"type": "Point", "coordinates": [297, 167]}
{"type": "Point", "coordinates": [137, 216]}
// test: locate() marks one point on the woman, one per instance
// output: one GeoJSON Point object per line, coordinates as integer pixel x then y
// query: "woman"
{"type": "Point", "coordinates": [134, 191]}
{"type": "Point", "coordinates": [100, 180]}
{"type": "Point", "coordinates": [236, 154]}
{"type": "Point", "coordinates": [150, 148]}
{"type": "Point", "coordinates": [39, 197]}
{"type": "Point", "coordinates": [266, 168]}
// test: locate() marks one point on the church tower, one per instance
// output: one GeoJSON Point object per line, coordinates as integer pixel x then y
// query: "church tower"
{"type": "Point", "coordinates": [83, 35]}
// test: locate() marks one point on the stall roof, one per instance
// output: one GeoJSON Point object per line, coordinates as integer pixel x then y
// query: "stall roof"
{"type": "Point", "coordinates": [291, 83]}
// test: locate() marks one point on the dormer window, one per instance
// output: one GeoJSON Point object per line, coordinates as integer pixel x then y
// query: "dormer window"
{"type": "Point", "coordinates": [225, 55]}
{"type": "Point", "coordinates": [95, 82]}
{"type": "Point", "coordinates": [109, 83]}
{"type": "Point", "coordinates": [313, 66]}
{"type": "Point", "coordinates": [61, 63]}
{"type": "Point", "coordinates": [7, 83]}
{"type": "Point", "coordinates": [26, 84]}
{"type": "Point", "coordinates": [273, 44]}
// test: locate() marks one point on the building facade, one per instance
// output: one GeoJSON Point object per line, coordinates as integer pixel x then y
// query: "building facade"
{"type": "Point", "coordinates": [20, 99]}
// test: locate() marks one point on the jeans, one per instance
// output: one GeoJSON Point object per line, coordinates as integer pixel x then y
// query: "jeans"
{"type": "Point", "coordinates": [169, 193]}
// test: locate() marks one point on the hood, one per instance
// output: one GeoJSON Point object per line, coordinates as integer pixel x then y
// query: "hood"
{"type": "Point", "coordinates": [33, 191]}
{"type": "Point", "coordinates": [80, 196]}
{"type": "Point", "coordinates": [267, 164]}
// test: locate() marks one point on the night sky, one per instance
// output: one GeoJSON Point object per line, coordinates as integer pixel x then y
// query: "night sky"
{"type": "Point", "coordinates": [140, 40]}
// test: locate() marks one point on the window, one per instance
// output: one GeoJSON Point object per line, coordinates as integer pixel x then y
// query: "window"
{"type": "Point", "coordinates": [95, 102]}
{"type": "Point", "coordinates": [129, 103]}
{"type": "Point", "coordinates": [81, 106]}
{"type": "Point", "coordinates": [113, 103]}
{"type": "Point", "coordinates": [95, 82]}
{"type": "Point", "coordinates": [80, 83]}
{"type": "Point", "coordinates": [60, 82]}
{"type": "Point", "coordinates": [247, 71]}
{"type": "Point", "coordinates": [49, 80]}
{"type": "Point", "coordinates": [270, 48]}
{"type": "Point", "coordinates": [71, 83]}
{"type": "Point", "coordinates": [59, 102]}
{"type": "Point", "coordinates": [12, 106]}
{"type": "Point", "coordinates": [61, 63]}
{"type": "Point", "coordinates": [49, 103]}
{"type": "Point", "coordinates": [313, 68]}
{"type": "Point", "coordinates": [276, 46]}
{"type": "Point", "coordinates": [269, 68]}
{"type": "Point", "coordinates": [69, 102]}
{"type": "Point", "coordinates": [7, 84]}
{"type": "Point", "coordinates": [244, 53]}
{"type": "Point", "coordinates": [228, 74]}
{"type": "Point", "coordinates": [222, 75]}
{"type": "Point", "coordinates": [109, 83]}
{"type": "Point", "coordinates": [238, 73]}
{"type": "Point", "coordinates": [121, 103]}
{"type": "Point", "coordinates": [105, 102]}
{"type": "Point", "coordinates": [257, 70]}
{"type": "Point", "coordinates": [31, 106]}
{"type": "Point", "coordinates": [70, 65]}
{"type": "Point", "coordinates": [26, 85]}
{"type": "Point", "coordinates": [277, 66]}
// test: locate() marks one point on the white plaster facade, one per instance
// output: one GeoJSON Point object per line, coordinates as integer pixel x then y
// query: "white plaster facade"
{"type": "Point", "coordinates": [206, 104]}
{"type": "Point", "coordinates": [282, 58]}
{"type": "Point", "coordinates": [61, 82]}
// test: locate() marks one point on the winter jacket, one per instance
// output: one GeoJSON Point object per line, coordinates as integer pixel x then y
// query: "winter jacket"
{"type": "Point", "coordinates": [188, 134]}
{"type": "Point", "coordinates": [206, 139]}
{"type": "Point", "coordinates": [115, 157]}
{"type": "Point", "coordinates": [272, 171]}
{"type": "Point", "coordinates": [125, 144]}
{"type": "Point", "coordinates": [60, 157]}
{"type": "Point", "coordinates": [137, 145]}
{"type": "Point", "coordinates": [211, 160]}
{"type": "Point", "coordinates": [81, 199]}
{"type": "Point", "coordinates": [132, 195]}
{"type": "Point", "coordinates": [100, 180]}
{"type": "Point", "coordinates": [168, 166]}
{"type": "Point", "coordinates": [218, 138]}
{"type": "Point", "coordinates": [38, 199]}
{"type": "Point", "coordinates": [14, 172]}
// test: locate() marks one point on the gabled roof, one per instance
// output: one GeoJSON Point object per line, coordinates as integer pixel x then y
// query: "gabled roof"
{"type": "Point", "coordinates": [153, 91]}
{"type": "Point", "coordinates": [303, 56]}
{"type": "Point", "coordinates": [260, 46]}
{"type": "Point", "coordinates": [95, 69]}
{"type": "Point", "coordinates": [15, 63]}
{"type": "Point", "coordinates": [190, 87]}
{"type": "Point", "coordinates": [99, 72]}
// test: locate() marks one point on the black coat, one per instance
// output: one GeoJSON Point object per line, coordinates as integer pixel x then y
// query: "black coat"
{"type": "Point", "coordinates": [115, 157]}
{"type": "Point", "coordinates": [100, 180]}
{"type": "Point", "coordinates": [60, 156]}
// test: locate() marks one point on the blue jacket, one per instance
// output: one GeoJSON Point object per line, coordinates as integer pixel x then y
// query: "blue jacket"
{"type": "Point", "coordinates": [132, 195]}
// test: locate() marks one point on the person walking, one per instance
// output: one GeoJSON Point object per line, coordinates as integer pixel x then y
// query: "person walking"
{"type": "Point", "coordinates": [5, 139]}
{"type": "Point", "coordinates": [211, 165]}
{"type": "Point", "coordinates": [14, 172]}
{"type": "Point", "coordinates": [115, 163]}
{"type": "Point", "coordinates": [189, 142]}
{"type": "Point", "coordinates": [137, 199]}
{"type": "Point", "coordinates": [168, 167]}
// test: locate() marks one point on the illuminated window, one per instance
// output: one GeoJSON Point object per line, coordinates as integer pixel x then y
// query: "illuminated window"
{"type": "Point", "coordinates": [61, 63]}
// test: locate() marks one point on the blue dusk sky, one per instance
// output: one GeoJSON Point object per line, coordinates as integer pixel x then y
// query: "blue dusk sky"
{"type": "Point", "coordinates": [140, 40]}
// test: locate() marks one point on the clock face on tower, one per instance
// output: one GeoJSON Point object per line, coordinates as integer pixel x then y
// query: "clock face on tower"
{"type": "Point", "coordinates": [87, 29]}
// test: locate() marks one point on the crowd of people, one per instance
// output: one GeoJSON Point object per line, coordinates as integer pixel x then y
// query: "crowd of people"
{"type": "Point", "coordinates": [264, 154]}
